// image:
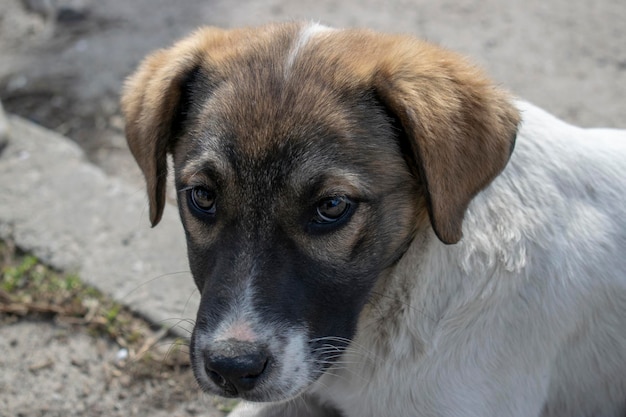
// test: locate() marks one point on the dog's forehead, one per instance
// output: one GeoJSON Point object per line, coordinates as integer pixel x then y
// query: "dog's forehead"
{"type": "Point", "coordinates": [263, 106]}
{"type": "Point", "coordinates": [281, 109]}
{"type": "Point", "coordinates": [273, 150]}
{"type": "Point", "coordinates": [267, 104]}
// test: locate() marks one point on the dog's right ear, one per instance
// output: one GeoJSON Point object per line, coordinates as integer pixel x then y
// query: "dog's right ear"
{"type": "Point", "coordinates": [155, 101]}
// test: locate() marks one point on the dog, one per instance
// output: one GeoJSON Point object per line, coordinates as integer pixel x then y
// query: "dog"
{"type": "Point", "coordinates": [377, 229]}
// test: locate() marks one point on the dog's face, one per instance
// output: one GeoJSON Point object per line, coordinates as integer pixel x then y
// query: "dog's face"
{"type": "Point", "coordinates": [291, 214]}
{"type": "Point", "coordinates": [306, 159]}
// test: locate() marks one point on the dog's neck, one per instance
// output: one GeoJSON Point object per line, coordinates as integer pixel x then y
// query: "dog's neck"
{"type": "Point", "coordinates": [405, 304]}
{"type": "Point", "coordinates": [405, 294]}
{"type": "Point", "coordinates": [431, 280]}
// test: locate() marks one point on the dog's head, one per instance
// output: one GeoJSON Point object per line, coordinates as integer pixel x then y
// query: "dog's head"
{"type": "Point", "coordinates": [306, 159]}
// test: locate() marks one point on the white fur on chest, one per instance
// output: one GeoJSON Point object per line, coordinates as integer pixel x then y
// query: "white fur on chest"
{"type": "Point", "coordinates": [542, 264]}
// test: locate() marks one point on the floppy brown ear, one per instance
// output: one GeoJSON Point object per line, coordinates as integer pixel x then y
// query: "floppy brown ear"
{"type": "Point", "coordinates": [461, 129]}
{"type": "Point", "coordinates": [153, 105]}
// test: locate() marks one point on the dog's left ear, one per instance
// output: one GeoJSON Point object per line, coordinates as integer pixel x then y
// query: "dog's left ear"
{"type": "Point", "coordinates": [155, 100]}
{"type": "Point", "coordinates": [460, 127]}
{"type": "Point", "coordinates": [151, 104]}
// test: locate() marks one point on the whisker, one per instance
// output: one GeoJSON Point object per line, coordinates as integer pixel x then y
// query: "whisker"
{"type": "Point", "coordinates": [151, 280]}
{"type": "Point", "coordinates": [177, 324]}
{"type": "Point", "coordinates": [180, 320]}
{"type": "Point", "coordinates": [351, 347]}
{"type": "Point", "coordinates": [333, 372]}
{"type": "Point", "coordinates": [194, 292]}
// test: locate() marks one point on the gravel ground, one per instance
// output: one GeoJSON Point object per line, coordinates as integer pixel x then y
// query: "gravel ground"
{"type": "Point", "coordinates": [55, 370]}
{"type": "Point", "coordinates": [62, 63]}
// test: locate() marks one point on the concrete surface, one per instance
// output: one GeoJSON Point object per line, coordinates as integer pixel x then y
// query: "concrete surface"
{"type": "Point", "coordinates": [65, 210]}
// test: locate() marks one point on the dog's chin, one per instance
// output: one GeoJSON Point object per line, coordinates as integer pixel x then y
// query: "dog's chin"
{"type": "Point", "coordinates": [257, 395]}
{"type": "Point", "coordinates": [273, 388]}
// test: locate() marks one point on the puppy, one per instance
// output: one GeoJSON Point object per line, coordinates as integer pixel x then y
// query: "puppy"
{"type": "Point", "coordinates": [377, 230]}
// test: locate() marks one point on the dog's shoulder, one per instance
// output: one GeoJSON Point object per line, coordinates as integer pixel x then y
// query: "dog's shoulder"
{"type": "Point", "coordinates": [561, 199]}
{"type": "Point", "coordinates": [586, 166]}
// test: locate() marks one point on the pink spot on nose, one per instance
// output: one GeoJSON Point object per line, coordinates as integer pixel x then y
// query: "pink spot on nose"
{"type": "Point", "coordinates": [239, 330]}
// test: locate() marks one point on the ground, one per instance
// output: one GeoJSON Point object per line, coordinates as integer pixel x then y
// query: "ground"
{"type": "Point", "coordinates": [70, 350]}
{"type": "Point", "coordinates": [54, 370]}
{"type": "Point", "coordinates": [62, 63]}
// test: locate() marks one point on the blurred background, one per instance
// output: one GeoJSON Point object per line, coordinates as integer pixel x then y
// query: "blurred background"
{"type": "Point", "coordinates": [69, 350]}
{"type": "Point", "coordinates": [62, 62]}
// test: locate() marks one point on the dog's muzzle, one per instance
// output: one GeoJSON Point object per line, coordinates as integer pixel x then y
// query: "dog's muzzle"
{"type": "Point", "coordinates": [252, 365]}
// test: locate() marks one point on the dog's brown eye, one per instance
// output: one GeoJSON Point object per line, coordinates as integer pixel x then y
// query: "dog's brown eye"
{"type": "Point", "coordinates": [203, 200]}
{"type": "Point", "coordinates": [331, 209]}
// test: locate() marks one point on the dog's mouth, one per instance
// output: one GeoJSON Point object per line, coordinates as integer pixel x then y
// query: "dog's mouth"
{"type": "Point", "coordinates": [277, 370]}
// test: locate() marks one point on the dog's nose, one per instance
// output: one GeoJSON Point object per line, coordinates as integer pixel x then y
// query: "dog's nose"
{"type": "Point", "coordinates": [235, 366]}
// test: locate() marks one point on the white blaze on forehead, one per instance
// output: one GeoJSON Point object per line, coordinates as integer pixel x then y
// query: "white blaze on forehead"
{"type": "Point", "coordinates": [305, 35]}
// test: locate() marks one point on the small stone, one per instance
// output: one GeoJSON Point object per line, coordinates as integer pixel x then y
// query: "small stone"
{"type": "Point", "coordinates": [122, 355]}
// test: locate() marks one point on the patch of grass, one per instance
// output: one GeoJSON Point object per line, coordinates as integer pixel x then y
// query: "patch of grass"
{"type": "Point", "coordinates": [29, 289]}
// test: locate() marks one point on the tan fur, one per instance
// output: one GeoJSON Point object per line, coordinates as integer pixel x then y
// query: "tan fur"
{"type": "Point", "coordinates": [150, 97]}
{"type": "Point", "coordinates": [461, 126]}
